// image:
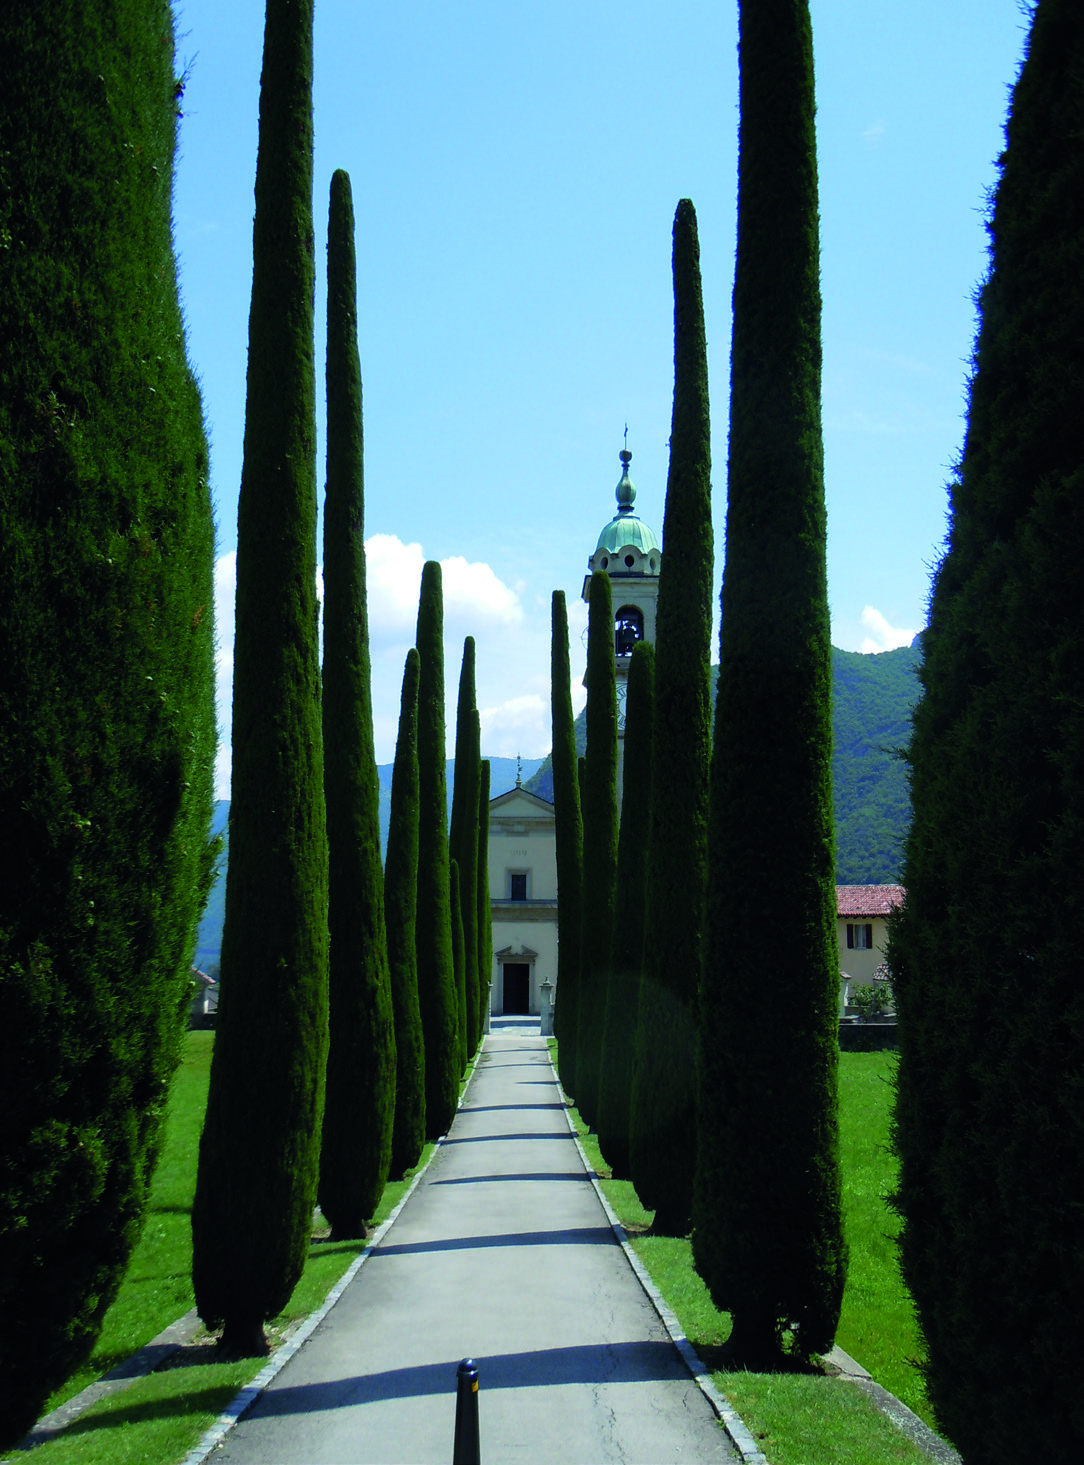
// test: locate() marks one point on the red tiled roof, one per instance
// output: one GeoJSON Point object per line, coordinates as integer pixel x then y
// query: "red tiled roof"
{"type": "Point", "coordinates": [868, 900]}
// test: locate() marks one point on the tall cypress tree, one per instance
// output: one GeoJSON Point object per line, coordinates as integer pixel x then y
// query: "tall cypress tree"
{"type": "Point", "coordinates": [259, 1154]}
{"type": "Point", "coordinates": [485, 920]}
{"type": "Point", "coordinates": [627, 959]}
{"type": "Point", "coordinates": [664, 1096]}
{"type": "Point", "coordinates": [355, 1147]}
{"type": "Point", "coordinates": [985, 953]}
{"type": "Point", "coordinates": [569, 838]}
{"type": "Point", "coordinates": [459, 966]}
{"type": "Point", "coordinates": [599, 845]}
{"type": "Point", "coordinates": [400, 913]}
{"type": "Point", "coordinates": [436, 975]}
{"type": "Point", "coordinates": [463, 838]}
{"type": "Point", "coordinates": [768, 1236]}
{"type": "Point", "coordinates": [107, 725]}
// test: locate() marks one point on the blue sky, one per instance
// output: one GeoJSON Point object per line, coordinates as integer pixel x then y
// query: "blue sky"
{"type": "Point", "coordinates": [515, 171]}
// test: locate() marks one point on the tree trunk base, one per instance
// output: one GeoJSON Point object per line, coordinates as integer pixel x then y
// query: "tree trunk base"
{"type": "Point", "coordinates": [670, 1223]}
{"type": "Point", "coordinates": [753, 1345]}
{"type": "Point", "coordinates": [243, 1338]}
{"type": "Point", "coordinates": [348, 1231]}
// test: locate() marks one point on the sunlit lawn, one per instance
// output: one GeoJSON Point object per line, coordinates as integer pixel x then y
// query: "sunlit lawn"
{"type": "Point", "coordinates": [160, 1417]}
{"type": "Point", "coordinates": [805, 1420]}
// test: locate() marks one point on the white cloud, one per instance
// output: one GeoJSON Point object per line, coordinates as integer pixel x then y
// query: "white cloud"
{"type": "Point", "coordinates": [393, 577]}
{"type": "Point", "coordinates": [882, 637]}
{"type": "Point", "coordinates": [473, 591]}
{"type": "Point", "coordinates": [874, 133]}
{"type": "Point", "coordinates": [520, 725]}
{"type": "Point", "coordinates": [512, 649]}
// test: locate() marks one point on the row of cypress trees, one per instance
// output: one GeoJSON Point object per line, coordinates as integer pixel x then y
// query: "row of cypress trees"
{"type": "Point", "coordinates": [732, 1126]}
{"type": "Point", "coordinates": [568, 822]}
{"type": "Point", "coordinates": [361, 1066]}
{"type": "Point", "coordinates": [768, 1226]}
{"type": "Point", "coordinates": [989, 1117]}
{"type": "Point", "coordinates": [107, 727]}
{"type": "Point", "coordinates": [259, 1152]}
{"type": "Point", "coordinates": [342, 988]}
{"type": "Point", "coordinates": [600, 829]}
{"type": "Point", "coordinates": [663, 1123]}
{"type": "Point", "coordinates": [107, 717]}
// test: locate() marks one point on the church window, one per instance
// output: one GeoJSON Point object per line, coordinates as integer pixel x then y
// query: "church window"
{"type": "Point", "coordinates": [517, 883]}
{"type": "Point", "coordinates": [628, 629]}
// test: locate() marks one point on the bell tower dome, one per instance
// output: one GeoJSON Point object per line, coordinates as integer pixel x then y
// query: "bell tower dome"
{"type": "Point", "coordinates": [629, 553]}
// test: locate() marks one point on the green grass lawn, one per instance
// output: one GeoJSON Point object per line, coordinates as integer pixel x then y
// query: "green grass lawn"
{"type": "Point", "coordinates": [158, 1287]}
{"type": "Point", "coordinates": [160, 1418]}
{"type": "Point", "coordinates": [806, 1420]}
{"type": "Point", "coordinates": [798, 1420]}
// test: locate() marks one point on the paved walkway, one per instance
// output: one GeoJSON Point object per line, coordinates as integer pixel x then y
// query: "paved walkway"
{"type": "Point", "coordinates": [503, 1254]}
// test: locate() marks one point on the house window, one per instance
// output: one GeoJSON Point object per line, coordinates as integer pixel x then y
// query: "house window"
{"type": "Point", "coordinates": [859, 938]}
{"type": "Point", "coordinates": [517, 882]}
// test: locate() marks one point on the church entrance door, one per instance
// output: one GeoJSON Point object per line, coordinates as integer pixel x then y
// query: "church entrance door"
{"type": "Point", "coordinates": [517, 987]}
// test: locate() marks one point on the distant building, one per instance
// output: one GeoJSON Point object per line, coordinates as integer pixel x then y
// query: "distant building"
{"type": "Point", "coordinates": [862, 913]}
{"type": "Point", "coordinates": [523, 900]}
{"type": "Point", "coordinates": [204, 1004]}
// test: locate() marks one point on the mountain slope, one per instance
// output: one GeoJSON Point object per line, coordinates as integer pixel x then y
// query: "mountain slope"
{"type": "Point", "coordinates": [872, 700]}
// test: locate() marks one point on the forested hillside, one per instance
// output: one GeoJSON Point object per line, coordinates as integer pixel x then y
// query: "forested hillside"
{"type": "Point", "coordinates": [502, 778]}
{"type": "Point", "coordinates": [872, 700]}
{"type": "Point", "coordinates": [871, 707]}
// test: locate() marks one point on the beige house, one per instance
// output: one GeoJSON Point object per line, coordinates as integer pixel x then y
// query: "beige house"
{"type": "Point", "coordinates": [862, 913]}
{"type": "Point", "coordinates": [523, 901]}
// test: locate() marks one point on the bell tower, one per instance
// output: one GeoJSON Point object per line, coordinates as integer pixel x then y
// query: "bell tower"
{"type": "Point", "coordinates": [629, 553]}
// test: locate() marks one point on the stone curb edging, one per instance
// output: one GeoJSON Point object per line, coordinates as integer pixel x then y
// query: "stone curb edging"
{"type": "Point", "coordinates": [246, 1397]}
{"type": "Point", "coordinates": [151, 1356]}
{"type": "Point", "coordinates": [160, 1348]}
{"type": "Point", "coordinates": [732, 1422]}
{"type": "Point", "coordinates": [905, 1420]}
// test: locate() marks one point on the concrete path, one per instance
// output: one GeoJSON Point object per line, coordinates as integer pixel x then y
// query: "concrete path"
{"type": "Point", "coordinates": [503, 1254]}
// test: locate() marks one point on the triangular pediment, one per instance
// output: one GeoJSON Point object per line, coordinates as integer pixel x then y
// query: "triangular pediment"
{"type": "Point", "coordinates": [517, 803]}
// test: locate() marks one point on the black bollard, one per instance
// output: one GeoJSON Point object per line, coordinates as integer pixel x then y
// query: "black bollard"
{"type": "Point", "coordinates": [467, 1449]}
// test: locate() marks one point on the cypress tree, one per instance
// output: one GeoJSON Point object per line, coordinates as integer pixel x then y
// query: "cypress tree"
{"type": "Point", "coordinates": [768, 1234]}
{"type": "Point", "coordinates": [985, 954]}
{"type": "Point", "coordinates": [599, 845]}
{"type": "Point", "coordinates": [569, 837]}
{"type": "Point", "coordinates": [400, 905]}
{"type": "Point", "coordinates": [485, 921]}
{"type": "Point", "coordinates": [107, 727]}
{"type": "Point", "coordinates": [436, 975]}
{"type": "Point", "coordinates": [355, 1149]}
{"type": "Point", "coordinates": [459, 960]}
{"type": "Point", "coordinates": [463, 838]}
{"type": "Point", "coordinates": [664, 1096]}
{"type": "Point", "coordinates": [626, 962]}
{"type": "Point", "coordinates": [259, 1154]}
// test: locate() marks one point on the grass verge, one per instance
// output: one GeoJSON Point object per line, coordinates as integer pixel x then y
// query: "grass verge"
{"type": "Point", "coordinates": [160, 1418]}
{"type": "Point", "coordinates": [808, 1419]}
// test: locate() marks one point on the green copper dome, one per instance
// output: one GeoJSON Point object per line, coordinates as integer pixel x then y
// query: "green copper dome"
{"type": "Point", "coordinates": [625, 529]}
